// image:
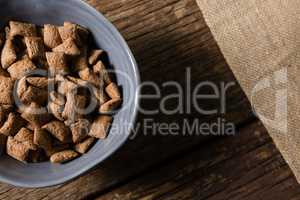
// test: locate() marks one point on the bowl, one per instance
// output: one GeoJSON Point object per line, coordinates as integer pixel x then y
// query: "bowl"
{"type": "Point", "coordinates": [121, 59]}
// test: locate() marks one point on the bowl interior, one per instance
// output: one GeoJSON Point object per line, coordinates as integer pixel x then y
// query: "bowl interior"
{"type": "Point", "coordinates": [106, 37]}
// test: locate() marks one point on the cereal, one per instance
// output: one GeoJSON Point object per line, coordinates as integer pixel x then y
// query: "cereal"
{"type": "Point", "coordinates": [63, 156]}
{"type": "Point", "coordinates": [100, 126]}
{"type": "Point", "coordinates": [8, 54]}
{"type": "Point", "coordinates": [56, 96]}
{"type": "Point", "coordinates": [51, 36]}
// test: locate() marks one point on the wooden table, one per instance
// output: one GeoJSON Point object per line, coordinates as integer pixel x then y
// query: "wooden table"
{"type": "Point", "coordinates": [168, 37]}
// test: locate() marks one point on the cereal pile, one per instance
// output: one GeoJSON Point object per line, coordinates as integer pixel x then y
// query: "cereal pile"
{"type": "Point", "coordinates": [56, 96]}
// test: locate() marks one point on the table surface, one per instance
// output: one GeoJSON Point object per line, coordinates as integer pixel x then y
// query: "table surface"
{"type": "Point", "coordinates": [167, 38]}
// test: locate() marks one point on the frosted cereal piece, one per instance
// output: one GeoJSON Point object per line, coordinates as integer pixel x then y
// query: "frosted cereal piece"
{"type": "Point", "coordinates": [21, 68]}
{"type": "Point", "coordinates": [42, 138]}
{"type": "Point", "coordinates": [113, 91]}
{"type": "Point", "coordinates": [51, 36]}
{"type": "Point", "coordinates": [85, 145]}
{"type": "Point", "coordinates": [94, 56]}
{"type": "Point", "coordinates": [12, 125]}
{"type": "Point", "coordinates": [57, 62]}
{"type": "Point", "coordinates": [100, 126]}
{"type": "Point", "coordinates": [80, 130]}
{"type": "Point", "coordinates": [36, 115]}
{"type": "Point", "coordinates": [6, 90]}
{"type": "Point", "coordinates": [110, 106]}
{"type": "Point", "coordinates": [68, 47]}
{"type": "Point", "coordinates": [8, 54]}
{"type": "Point", "coordinates": [22, 29]}
{"type": "Point", "coordinates": [100, 69]}
{"type": "Point", "coordinates": [35, 47]}
{"type": "Point", "coordinates": [63, 156]}
{"type": "Point", "coordinates": [59, 130]}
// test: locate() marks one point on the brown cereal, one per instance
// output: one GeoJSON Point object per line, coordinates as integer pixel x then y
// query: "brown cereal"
{"type": "Point", "coordinates": [16, 149]}
{"type": "Point", "coordinates": [56, 110]}
{"type": "Point", "coordinates": [59, 130]}
{"type": "Point", "coordinates": [68, 47]}
{"type": "Point", "coordinates": [6, 90]}
{"type": "Point", "coordinates": [25, 135]}
{"type": "Point", "coordinates": [113, 91]}
{"type": "Point", "coordinates": [35, 47]}
{"type": "Point", "coordinates": [84, 146]}
{"type": "Point", "coordinates": [36, 115]}
{"type": "Point", "coordinates": [63, 156]}
{"type": "Point", "coordinates": [8, 54]}
{"type": "Point", "coordinates": [51, 36]}
{"type": "Point", "coordinates": [34, 94]}
{"type": "Point", "coordinates": [74, 106]}
{"type": "Point", "coordinates": [81, 62]}
{"type": "Point", "coordinates": [39, 82]}
{"type": "Point", "coordinates": [21, 68]}
{"type": "Point", "coordinates": [80, 130]}
{"type": "Point", "coordinates": [88, 75]}
{"type": "Point", "coordinates": [110, 106]}
{"type": "Point", "coordinates": [22, 29]}
{"type": "Point", "coordinates": [100, 126]}
{"type": "Point", "coordinates": [12, 125]}
{"type": "Point", "coordinates": [57, 62]}
{"type": "Point", "coordinates": [69, 30]}
{"type": "Point", "coordinates": [94, 56]}
{"type": "Point", "coordinates": [100, 69]}
{"type": "Point", "coordinates": [42, 138]}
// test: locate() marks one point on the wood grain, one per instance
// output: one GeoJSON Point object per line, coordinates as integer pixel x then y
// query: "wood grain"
{"type": "Point", "coordinates": [246, 166]}
{"type": "Point", "coordinates": [167, 37]}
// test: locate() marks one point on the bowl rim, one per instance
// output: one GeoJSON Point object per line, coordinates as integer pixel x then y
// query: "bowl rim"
{"type": "Point", "coordinates": [95, 162]}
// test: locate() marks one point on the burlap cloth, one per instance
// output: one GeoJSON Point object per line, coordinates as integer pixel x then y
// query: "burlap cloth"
{"type": "Point", "coordinates": [260, 40]}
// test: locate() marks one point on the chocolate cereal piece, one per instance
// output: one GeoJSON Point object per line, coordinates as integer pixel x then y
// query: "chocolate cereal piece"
{"type": "Point", "coordinates": [59, 130]}
{"type": "Point", "coordinates": [4, 111]}
{"type": "Point", "coordinates": [110, 106]}
{"type": "Point", "coordinates": [12, 125]}
{"type": "Point", "coordinates": [113, 91]}
{"type": "Point", "coordinates": [56, 110]}
{"type": "Point", "coordinates": [100, 69]}
{"type": "Point", "coordinates": [8, 54]}
{"type": "Point", "coordinates": [69, 30]}
{"type": "Point", "coordinates": [34, 94]}
{"type": "Point", "coordinates": [81, 62]}
{"type": "Point", "coordinates": [35, 47]}
{"type": "Point", "coordinates": [22, 29]}
{"type": "Point", "coordinates": [63, 156]}
{"type": "Point", "coordinates": [16, 149]}
{"type": "Point", "coordinates": [35, 114]}
{"type": "Point", "coordinates": [94, 56]}
{"type": "Point", "coordinates": [88, 75]}
{"type": "Point", "coordinates": [6, 90]}
{"type": "Point", "coordinates": [85, 145]}
{"type": "Point", "coordinates": [68, 47]}
{"type": "Point", "coordinates": [51, 36]}
{"type": "Point", "coordinates": [26, 136]}
{"type": "Point", "coordinates": [74, 106]}
{"type": "Point", "coordinates": [42, 138]}
{"type": "Point", "coordinates": [57, 62]}
{"type": "Point", "coordinates": [100, 126]}
{"type": "Point", "coordinates": [39, 82]}
{"type": "Point", "coordinates": [80, 130]}
{"type": "Point", "coordinates": [21, 68]}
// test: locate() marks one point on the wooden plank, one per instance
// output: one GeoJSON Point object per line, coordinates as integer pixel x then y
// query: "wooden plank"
{"type": "Point", "coordinates": [246, 166]}
{"type": "Point", "coordinates": [167, 37]}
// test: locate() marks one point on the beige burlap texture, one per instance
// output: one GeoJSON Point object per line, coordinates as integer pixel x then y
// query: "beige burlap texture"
{"type": "Point", "coordinates": [260, 40]}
